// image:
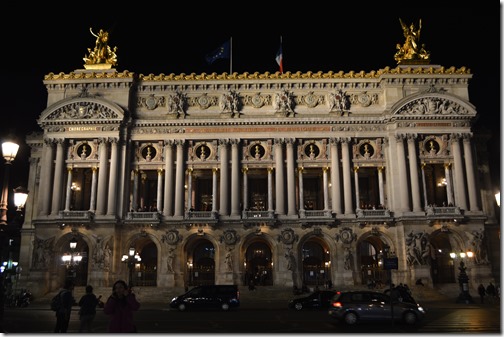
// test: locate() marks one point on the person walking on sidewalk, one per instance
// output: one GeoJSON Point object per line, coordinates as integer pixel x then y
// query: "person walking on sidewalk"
{"type": "Point", "coordinates": [67, 301]}
{"type": "Point", "coordinates": [87, 312]}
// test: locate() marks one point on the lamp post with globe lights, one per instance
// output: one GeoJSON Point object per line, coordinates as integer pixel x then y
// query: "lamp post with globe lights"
{"type": "Point", "coordinates": [463, 279]}
{"type": "Point", "coordinates": [131, 259]}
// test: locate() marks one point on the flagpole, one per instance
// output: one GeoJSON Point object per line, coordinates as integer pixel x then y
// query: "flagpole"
{"type": "Point", "coordinates": [231, 56]}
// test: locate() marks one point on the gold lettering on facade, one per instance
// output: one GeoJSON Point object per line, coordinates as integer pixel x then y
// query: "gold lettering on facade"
{"type": "Point", "coordinates": [83, 128]}
{"type": "Point", "coordinates": [266, 129]}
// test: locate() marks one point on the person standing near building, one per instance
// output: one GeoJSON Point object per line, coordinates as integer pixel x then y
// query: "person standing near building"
{"type": "Point", "coordinates": [481, 292]}
{"type": "Point", "coordinates": [87, 312]}
{"type": "Point", "coordinates": [120, 307]}
{"type": "Point", "coordinates": [67, 301]}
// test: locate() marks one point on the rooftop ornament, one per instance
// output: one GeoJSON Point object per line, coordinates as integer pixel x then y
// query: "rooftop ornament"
{"type": "Point", "coordinates": [411, 52]}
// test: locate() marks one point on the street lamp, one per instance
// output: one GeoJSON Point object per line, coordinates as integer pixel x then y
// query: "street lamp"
{"type": "Point", "coordinates": [131, 258]}
{"type": "Point", "coordinates": [9, 152]}
{"type": "Point", "coordinates": [71, 259]}
{"type": "Point", "coordinates": [463, 279]}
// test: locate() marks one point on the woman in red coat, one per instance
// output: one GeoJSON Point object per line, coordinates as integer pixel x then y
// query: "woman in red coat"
{"type": "Point", "coordinates": [120, 306]}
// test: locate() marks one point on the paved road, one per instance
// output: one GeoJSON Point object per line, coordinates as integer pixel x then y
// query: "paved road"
{"type": "Point", "coordinates": [261, 316]}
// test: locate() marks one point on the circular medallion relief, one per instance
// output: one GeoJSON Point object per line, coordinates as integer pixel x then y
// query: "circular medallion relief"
{"type": "Point", "coordinates": [151, 102]}
{"type": "Point", "coordinates": [149, 152]}
{"type": "Point", "coordinates": [312, 150]}
{"type": "Point", "coordinates": [311, 100]}
{"type": "Point", "coordinates": [257, 151]}
{"type": "Point", "coordinates": [257, 101]}
{"type": "Point", "coordinates": [364, 99]}
{"type": "Point", "coordinates": [203, 152]}
{"type": "Point", "coordinates": [204, 101]}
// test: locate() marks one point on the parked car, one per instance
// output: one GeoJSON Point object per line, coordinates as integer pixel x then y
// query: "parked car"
{"type": "Point", "coordinates": [207, 297]}
{"type": "Point", "coordinates": [320, 299]}
{"type": "Point", "coordinates": [354, 306]}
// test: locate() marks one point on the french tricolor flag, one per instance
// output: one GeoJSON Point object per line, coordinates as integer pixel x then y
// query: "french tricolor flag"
{"type": "Point", "coordinates": [279, 57]}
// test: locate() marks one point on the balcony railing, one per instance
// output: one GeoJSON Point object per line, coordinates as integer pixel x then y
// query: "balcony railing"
{"type": "Point", "coordinates": [373, 213]}
{"type": "Point", "coordinates": [315, 214]}
{"type": "Point", "coordinates": [201, 215]}
{"type": "Point", "coordinates": [143, 216]}
{"type": "Point", "coordinates": [76, 215]}
{"type": "Point", "coordinates": [434, 210]}
{"type": "Point", "coordinates": [251, 215]}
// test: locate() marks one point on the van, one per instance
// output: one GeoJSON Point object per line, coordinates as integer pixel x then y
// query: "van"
{"type": "Point", "coordinates": [208, 297]}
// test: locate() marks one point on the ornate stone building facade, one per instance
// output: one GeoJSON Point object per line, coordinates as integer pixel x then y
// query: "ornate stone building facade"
{"type": "Point", "coordinates": [282, 179]}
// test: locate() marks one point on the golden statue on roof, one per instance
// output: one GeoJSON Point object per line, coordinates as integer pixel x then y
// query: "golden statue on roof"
{"type": "Point", "coordinates": [102, 56]}
{"type": "Point", "coordinates": [411, 52]}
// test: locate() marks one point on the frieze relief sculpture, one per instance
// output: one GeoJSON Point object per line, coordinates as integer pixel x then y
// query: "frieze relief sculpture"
{"type": "Point", "coordinates": [42, 252]}
{"type": "Point", "coordinates": [418, 248]}
{"type": "Point", "coordinates": [477, 241]}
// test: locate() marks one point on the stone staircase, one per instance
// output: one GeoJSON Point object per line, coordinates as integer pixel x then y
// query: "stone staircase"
{"type": "Point", "coordinates": [261, 293]}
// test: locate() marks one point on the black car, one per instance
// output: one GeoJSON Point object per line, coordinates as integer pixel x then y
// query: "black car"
{"type": "Point", "coordinates": [319, 299]}
{"type": "Point", "coordinates": [207, 297]}
{"type": "Point", "coordinates": [353, 306]}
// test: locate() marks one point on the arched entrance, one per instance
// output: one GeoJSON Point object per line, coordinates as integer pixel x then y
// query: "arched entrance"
{"type": "Point", "coordinates": [442, 267]}
{"type": "Point", "coordinates": [201, 263]}
{"type": "Point", "coordinates": [316, 263]}
{"type": "Point", "coordinates": [145, 273]}
{"type": "Point", "coordinates": [259, 264]}
{"type": "Point", "coordinates": [74, 260]}
{"type": "Point", "coordinates": [370, 256]}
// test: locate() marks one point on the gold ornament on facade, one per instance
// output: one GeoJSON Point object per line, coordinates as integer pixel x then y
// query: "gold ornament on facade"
{"type": "Point", "coordinates": [412, 52]}
{"type": "Point", "coordinates": [102, 56]}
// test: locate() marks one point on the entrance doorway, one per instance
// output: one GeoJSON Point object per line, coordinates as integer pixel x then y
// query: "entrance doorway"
{"type": "Point", "coordinates": [201, 264]}
{"type": "Point", "coordinates": [316, 264]}
{"type": "Point", "coordinates": [258, 264]}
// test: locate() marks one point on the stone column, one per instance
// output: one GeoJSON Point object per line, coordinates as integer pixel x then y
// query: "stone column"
{"type": "Point", "coordinates": [168, 190]}
{"type": "Point", "coordinates": [68, 196]}
{"type": "Point", "coordinates": [94, 181]}
{"type": "Point", "coordinates": [458, 173]}
{"type": "Point", "coordinates": [380, 185]}
{"type": "Point", "coordinates": [224, 177]}
{"type": "Point", "coordinates": [279, 178]}
{"type": "Point", "coordinates": [291, 184]}
{"type": "Point", "coordinates": [46, 178]}
{"type": "Point", "coordinates": [301, 189]}
{"type": "Point", "coordinates": [112, 190]}
{"type": "Point", "coordinates": [58, 177]}
{"type": "Point", "coordinates": [245, 188]}
{"type": "Point", "coordinates": [189, 190]}
{"type": "Point", "coordinates": [356, 182]}
{"type": "Point", "coordinates": [413, 165]}
{"type": "Point", "coordinates": [402, 179]}
{"type": "Point", "coordinates": [102, 177]}
{"type": "Point", "coordinates": [134, 202]}
{"type": "Point", "coordinates": [179, 179]}
{"type": "Point", "coordinates": [235, 178]}
{"type": "Point", "coordinates": [270, 189]}
{"type": "Point", "coordinates": [449, 187]}
{"type": "Point", "coordinates": [214, 189]}
{"type": "Point", "coordinates": [469, 164]}
{"type": "Point", "coordinates": [424, 185]}
{"type": "Point", "coordinates": [326, 188]}
{"type": "Point", "coordinates": [347, 179]}
{"type": "Point", "coordinates": [335, 177]}
{"type": "Point", "coordinates": [159, 202]}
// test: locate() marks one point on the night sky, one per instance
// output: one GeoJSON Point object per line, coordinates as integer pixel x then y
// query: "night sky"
{"type": "Point", "coordinates": [167, 38]}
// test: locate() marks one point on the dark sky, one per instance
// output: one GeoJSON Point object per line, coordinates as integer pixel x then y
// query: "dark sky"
{"type": "Point", "coordinates": [163, 37]}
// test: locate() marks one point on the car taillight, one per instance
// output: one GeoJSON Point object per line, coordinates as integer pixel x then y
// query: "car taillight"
{"type": "Point", "coordinates": [337, 304]}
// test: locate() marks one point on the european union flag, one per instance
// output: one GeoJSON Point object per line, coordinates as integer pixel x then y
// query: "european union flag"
{"type": "Point", "coordinates": [223, 52]}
